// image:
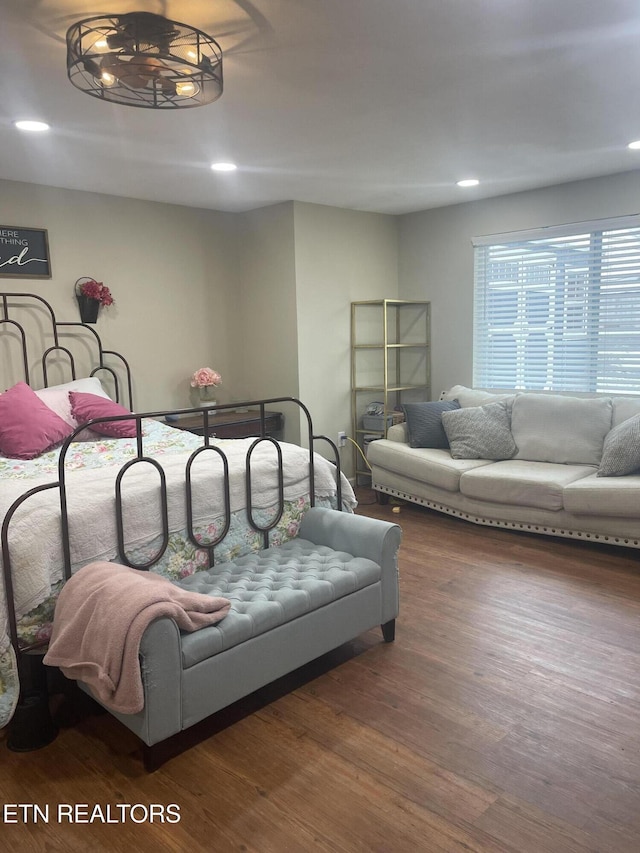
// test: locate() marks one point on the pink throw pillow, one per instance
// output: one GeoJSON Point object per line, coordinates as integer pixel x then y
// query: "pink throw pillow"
{"type": "Point", "coordinates": [27, 426]}
{"type": "Point", "coordinates": [84, 407]}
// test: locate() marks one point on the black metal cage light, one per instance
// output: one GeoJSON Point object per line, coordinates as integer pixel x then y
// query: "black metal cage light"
{"type": "Point", "coordinates": [144, 60]}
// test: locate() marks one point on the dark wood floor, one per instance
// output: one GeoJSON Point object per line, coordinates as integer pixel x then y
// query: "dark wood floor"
{"type": "Point", "coordinates": [505, 717]}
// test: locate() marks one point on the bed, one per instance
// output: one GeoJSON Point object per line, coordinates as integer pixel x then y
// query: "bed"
{"type": "Point", "coordinates": [130, 488]}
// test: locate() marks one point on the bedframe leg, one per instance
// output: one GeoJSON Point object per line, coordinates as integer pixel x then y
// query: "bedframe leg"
{"type": "Point", "coordinates": [382, 498]}
{"type": "Point", "coordinates": [389, 631]}
{"type": "Point", "coordinates": [31, 727]}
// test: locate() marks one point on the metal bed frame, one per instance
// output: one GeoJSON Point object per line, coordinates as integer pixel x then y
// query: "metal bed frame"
{"type": "Point", "coordinates": [19, 301]}
{"type": "Point", "coordinates": [32, 726]}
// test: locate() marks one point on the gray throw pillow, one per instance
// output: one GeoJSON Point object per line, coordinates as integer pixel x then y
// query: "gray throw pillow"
{"type": "Point", "coordinates": [480, 432]}
{"type": "Point", "coordinates": [621, 450]}
{"type": "Point", "coordinates": [424, 422]}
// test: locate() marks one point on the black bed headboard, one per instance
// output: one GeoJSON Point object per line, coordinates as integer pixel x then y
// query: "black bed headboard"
{"type": "Point", "coordinates": [32, 344]}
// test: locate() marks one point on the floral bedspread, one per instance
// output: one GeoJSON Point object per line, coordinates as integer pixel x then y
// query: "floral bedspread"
{"type": "Point", "coordinates": [181, 557]}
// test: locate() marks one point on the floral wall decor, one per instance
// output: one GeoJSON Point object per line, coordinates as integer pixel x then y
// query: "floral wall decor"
{"type": "Point", "coordinates": [91, 295]}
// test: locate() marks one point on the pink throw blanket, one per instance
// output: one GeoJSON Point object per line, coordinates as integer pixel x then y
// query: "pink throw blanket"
{"type": "Point", "coordinates": [100, 617]}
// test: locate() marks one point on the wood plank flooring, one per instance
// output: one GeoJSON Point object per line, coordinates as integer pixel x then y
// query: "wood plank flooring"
{"type": "Point", "coordinates": [505, 718]}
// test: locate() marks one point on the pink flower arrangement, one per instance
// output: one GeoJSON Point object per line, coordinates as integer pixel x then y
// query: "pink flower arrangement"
{"type": "Point", "coordinates": [96, 290]}
{"type": "Point", "coordinates": [205, 376]}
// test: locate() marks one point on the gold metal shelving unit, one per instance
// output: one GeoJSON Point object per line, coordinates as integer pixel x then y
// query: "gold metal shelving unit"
{"type": "Point", "coordinates": [390, 364]}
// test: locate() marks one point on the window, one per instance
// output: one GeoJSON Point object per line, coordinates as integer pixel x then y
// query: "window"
{"type": "Point", "coordinates": [558, 309]}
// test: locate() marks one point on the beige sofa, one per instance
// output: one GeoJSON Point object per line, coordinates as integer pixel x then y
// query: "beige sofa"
{"type": "Point", "coordinates": [553, 483]}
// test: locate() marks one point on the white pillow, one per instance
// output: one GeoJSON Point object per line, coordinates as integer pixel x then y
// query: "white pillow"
{"type": "Point", "coordinates": [56, 397]}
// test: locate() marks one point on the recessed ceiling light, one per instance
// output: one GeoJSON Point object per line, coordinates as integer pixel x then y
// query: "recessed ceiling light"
{"type": "Point", "coordinates": [468, 182]}
{"type": "Point", "coordinates": [634, 145]}
{"type": "Point", "coordinates": [33, 126]}
{"type": "Point", "coordinates": [224, 167]}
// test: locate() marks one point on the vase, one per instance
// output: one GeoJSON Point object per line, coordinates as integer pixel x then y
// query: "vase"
{"type": "Point", "coordinates": [207, 394]}
{"type": "Point", "coordinates": [88, 308]}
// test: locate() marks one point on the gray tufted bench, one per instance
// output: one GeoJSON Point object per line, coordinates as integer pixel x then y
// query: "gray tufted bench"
{"type": "Point", "coordinates": [290, 604]}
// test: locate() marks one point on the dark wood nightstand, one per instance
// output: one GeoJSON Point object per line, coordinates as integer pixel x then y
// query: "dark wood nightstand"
{"type": "Point", "coordinates": [227, 424]}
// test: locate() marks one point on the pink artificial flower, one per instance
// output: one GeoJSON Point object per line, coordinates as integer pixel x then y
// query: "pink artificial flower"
{"type": "Point", "coordinates": [205, 376]}
{"type": "Point", "coordinates": [98, 291]}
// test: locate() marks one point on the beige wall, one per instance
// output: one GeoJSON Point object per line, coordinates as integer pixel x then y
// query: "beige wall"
{"type": "Point", "coordinates": [265, 340]}
{"type": "Point", "coordinates": [436, 254]}
{"type": "Point", "coordinates": [264, 296]}
{"type": "Point", "coordinates": [171, 269]}
{"type": "Point", "coordinates": [300, 266]}
{"type": "Point", "coordinates": [341, 256]}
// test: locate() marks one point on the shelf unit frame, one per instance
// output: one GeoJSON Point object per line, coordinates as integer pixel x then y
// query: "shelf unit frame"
{"type": "Point", "coordinates": [392, 387]}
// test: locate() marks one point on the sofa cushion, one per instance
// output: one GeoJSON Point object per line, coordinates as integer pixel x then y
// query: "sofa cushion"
{"type": "Point", "coordinates": [608, 496]}
{"type": "Point", "coordinates": [553, 428]}
{"type": "Point", "coordinates": [520, 483]}
{"type": "Point", "coordinates": [624, 408]}
{"type": "Point", "coordinates": [424, 422]}
{"type": "Point", "coordinates": [474, 397]}
{"type": "Point", "coordinates": [480, 432]}
{"type": "Point", "coordinates": [621, 451]}
{"type": "Point", "coordinates": [427, 465]}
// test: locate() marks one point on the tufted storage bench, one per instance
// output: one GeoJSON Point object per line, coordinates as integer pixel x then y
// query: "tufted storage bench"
{"type": "Point", "coordinates": [290, 604]}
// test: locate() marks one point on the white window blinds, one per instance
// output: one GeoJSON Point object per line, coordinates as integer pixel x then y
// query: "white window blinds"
{"type": "Point", "coordinates": [559, 308]}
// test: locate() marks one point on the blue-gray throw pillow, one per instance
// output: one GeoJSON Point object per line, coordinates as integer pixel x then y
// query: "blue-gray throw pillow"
{"type": "Point", "coordinates": [424, 423]}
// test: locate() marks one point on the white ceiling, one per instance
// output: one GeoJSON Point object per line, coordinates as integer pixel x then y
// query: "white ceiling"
{"type": "Point", "coordinates": [376, 105]}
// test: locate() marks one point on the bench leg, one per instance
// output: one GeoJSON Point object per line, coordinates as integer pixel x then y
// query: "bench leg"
{"type": "Point", "coordinates": [153, 757]}
{"type": "Point", "coordinates": [389, 631]}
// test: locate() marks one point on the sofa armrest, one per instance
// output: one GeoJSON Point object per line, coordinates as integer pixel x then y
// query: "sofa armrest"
{"type": "Point", "coordinates": [360, 536]}
{"type": "Point", "coordinates": [398, 432]}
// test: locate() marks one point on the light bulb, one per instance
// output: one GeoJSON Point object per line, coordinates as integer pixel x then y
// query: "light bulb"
{"type": "Point", "coordinates": [107, 79]}
{"type": "Point", "coordinates": [468, 182]}
{"type": "Point", "coordinates": [187, 88]}
{"type": "Point", "coordinates": [224, 167]}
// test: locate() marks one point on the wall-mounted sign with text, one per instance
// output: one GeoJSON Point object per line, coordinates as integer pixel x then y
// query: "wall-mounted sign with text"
{"type": "Point", "coordinates": [24, 252]}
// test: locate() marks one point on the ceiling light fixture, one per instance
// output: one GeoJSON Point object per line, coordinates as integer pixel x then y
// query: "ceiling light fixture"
{"type": "Point", "coordinates": [468, 182]}
{"type": "Point", "coordinates": [32, 126]}
{"type": "Point", "coordinates": [144, 60]}
{"type": "Point", "coordinates": [634, 145]}
{"type": "Point", "coordinates": [224, 167]}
